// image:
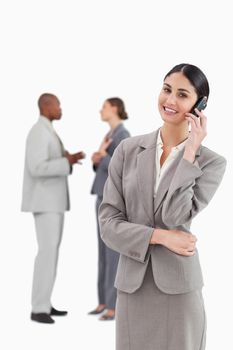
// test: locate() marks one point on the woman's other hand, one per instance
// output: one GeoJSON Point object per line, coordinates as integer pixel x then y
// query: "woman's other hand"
{"type": "Point", "coordinates": [96, 158]}
{"type": "Point", "coordinates": [104, 146]}
{"type": "Point", "coordinates": [177, 241]}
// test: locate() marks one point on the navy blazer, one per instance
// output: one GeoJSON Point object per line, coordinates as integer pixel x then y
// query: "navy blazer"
{"type": "Point", "coordinates": [118, 134]}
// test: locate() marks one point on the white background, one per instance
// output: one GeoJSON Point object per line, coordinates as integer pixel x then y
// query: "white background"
{"type": "Point", "coordinates": [85, 52]}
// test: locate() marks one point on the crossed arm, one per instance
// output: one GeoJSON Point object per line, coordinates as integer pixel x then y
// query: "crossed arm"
{"type": "Point", "coordinates": [190, 191]}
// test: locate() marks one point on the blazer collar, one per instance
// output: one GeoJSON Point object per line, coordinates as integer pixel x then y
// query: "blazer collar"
{"type": "Point", "coordinates": [150, 141]}
{"type": "Point", "coordinates": [46, 122]}
{"type": "Point", "coordinates": [119, 127]}
{"type": "Point", "coordinates": [146, 173]}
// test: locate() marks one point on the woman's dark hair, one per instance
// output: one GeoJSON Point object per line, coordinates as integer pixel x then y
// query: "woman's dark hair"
{"type": "Point", "coordinates": [117, 102]}
{"type": "Point", "coordinates": [195, 76]}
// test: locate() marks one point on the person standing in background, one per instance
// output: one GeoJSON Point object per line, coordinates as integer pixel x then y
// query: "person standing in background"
{"type": "Point", "coordinates": [113, 112]}
{"type": "Point", "coordinates": [45, 194]}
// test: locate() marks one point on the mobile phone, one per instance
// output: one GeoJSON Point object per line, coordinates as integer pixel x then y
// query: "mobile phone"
{"type": "Point", "coordinates": [200, 105]}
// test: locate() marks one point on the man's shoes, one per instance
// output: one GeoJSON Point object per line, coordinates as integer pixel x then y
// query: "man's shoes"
{"type": "Point", "coordinates": [55, 312]}
{"type": "Point", "coordinates": [41, 317]}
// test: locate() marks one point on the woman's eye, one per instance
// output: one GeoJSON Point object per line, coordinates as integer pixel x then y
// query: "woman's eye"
{"type": "Point", "coordinates": [182, 95]}
{"type": "Point", "coordinates": [166, 90]}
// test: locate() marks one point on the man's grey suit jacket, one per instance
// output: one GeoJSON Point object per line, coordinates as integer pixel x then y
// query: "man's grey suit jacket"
{"type": "Point", "coordinates": [129, 213]}
{"type": "Point", "coordinates": [45, 185]}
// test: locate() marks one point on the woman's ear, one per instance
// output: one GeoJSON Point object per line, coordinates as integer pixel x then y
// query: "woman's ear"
{"type": "Point", "coordinates": [115, 110]}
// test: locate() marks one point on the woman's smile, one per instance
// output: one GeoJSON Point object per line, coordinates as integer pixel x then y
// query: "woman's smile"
{"type": "Point", "coordinates": [169, 110]}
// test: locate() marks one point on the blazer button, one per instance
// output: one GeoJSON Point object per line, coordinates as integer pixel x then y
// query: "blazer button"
{"type": "Point", "coordinates": [136, 254]}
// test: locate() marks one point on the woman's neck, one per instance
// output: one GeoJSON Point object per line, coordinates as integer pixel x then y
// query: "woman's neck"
{"type": "Point", "coordinates": [173, 135]}
{"type": "Point", "coordinates": [113, 123]}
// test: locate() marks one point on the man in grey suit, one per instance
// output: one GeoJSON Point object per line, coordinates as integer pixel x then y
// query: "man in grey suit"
{"type": "Point", "coordinates": [45, 194]}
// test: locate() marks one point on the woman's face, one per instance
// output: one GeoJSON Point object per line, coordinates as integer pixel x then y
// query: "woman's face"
{"type": "Point", "coordinates": [108, 111]}
{"type": "Point", "coordinates": [176, 98]}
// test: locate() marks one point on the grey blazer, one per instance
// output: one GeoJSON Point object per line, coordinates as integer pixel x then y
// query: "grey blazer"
{"type": "Point", "coordinates": [119, 133]}
{"type": "Point", "coordinates": [128, 213]}
{"type": "Point", "coordinates": [45, 187]}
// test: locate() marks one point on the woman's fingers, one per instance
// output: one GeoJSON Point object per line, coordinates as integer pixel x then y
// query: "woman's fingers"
{"type": "Point", "coordinates": [199, 121]}
{"type": "Point", "coordinates": [190, 245]}
{"type": "Point", "coordinates": [190, 253]}
{"type": "Point", "coordinates": [196, 120]}
{"type": "Point", "coordinates": [185, 252]}
{"type": "Point", "coordinates": [194, 125]}
{"type": "Point", "coordinates": [193, 238]}
{"type": "Point", "coordinates": [203, 121]}
{"type": "Point", "coordinates": [181, 242]}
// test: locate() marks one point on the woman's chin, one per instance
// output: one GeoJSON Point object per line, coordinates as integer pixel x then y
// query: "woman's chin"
{"type": "Point", "coordinates": [172, 119]}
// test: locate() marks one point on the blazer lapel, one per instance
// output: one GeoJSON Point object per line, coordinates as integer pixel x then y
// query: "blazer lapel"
{"type": "Point", "coordinates": [52, 131]}
{"type": "Point", "coordinates": [167, 178]}
{"type": "Point", "coordinates": [146, 172]}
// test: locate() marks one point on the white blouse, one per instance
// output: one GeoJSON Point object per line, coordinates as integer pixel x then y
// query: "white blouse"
{"type": "Point", "coordinates": [173, 154]}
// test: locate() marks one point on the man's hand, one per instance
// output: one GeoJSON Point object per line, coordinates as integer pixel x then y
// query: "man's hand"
{"type": "Point", "coordinates": [75, 157]}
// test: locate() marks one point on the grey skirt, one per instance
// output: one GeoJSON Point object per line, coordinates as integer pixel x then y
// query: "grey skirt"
{"type": "Point", "coordinates": [149, 319]}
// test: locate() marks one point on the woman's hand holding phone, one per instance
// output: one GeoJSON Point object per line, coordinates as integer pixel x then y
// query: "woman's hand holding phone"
{"type": "Point", "coordinates": [197, 134]}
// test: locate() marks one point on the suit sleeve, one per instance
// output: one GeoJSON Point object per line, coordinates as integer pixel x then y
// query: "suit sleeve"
{"type": "Point", "coordinates": [38, 161]}
{"type": "Point", "coordinates": [191, 190]}
{"type": "Point", "coordinates": [127, 238]}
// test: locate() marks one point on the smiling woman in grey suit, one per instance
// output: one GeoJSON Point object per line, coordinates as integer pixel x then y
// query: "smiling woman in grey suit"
{"type": "Point", "coordinates": [113, 112]}
{"type": "Point", "coordinates": [157, 184]}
